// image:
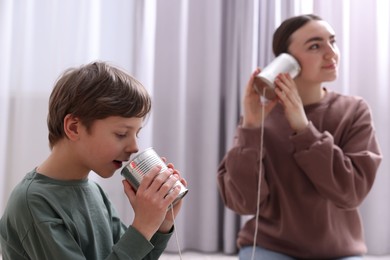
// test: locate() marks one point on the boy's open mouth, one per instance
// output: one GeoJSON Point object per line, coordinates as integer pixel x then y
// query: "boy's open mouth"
{"type": "Point", "coordinates": [117, 163]}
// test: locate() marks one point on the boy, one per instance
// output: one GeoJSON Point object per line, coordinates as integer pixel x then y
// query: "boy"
{"type": "Point", "coordinates": [95, 114]}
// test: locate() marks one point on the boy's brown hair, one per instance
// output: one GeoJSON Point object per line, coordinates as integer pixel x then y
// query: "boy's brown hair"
{"type": "Point", "coordinates": [94, 91]}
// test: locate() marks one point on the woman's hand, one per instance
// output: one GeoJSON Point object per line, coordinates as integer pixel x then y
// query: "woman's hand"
{"type": "Point", "coordinates": [253, 106]}
{"type": "Point", "coordinates": [288, 95]}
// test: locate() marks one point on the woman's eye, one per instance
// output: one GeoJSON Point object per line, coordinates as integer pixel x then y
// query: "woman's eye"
{"type": "Point", "coordinates": [314, 47]}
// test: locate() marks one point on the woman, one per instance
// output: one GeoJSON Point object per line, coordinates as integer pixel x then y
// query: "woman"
{"type": "Point", "coordinates": [319, 156]}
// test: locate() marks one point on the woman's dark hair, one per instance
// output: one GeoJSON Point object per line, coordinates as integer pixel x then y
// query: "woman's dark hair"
{"type": "Point", "coordinates": [95, 91]}
{"type": "Point", "coordinates": [281, 39]}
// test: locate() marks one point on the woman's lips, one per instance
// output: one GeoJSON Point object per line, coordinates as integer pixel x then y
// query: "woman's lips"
{"type": "Point", "coordinates": [330, 66]}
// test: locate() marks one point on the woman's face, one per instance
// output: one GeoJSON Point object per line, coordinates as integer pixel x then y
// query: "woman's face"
{"type": "Point", "coordinates": [314, 46]}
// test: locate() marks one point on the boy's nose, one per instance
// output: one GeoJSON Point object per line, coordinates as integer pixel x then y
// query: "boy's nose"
{"type": "Point", "coordinates": [132, 147]}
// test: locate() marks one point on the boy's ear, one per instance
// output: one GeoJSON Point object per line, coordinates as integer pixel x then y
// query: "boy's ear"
{"type": "Point", "coordinates": [71, 127]}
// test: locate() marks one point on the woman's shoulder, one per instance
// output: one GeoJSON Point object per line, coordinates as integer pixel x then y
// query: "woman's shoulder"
{"type": "Point", "coordinates": [345, 99]}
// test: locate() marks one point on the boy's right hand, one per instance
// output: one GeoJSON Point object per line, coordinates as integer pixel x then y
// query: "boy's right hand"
{"type": "Point", "coordinates": [152, 199]}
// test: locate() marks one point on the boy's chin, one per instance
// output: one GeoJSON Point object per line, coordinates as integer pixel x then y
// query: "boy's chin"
{"type": "Point", "coordinates": [105, 175]}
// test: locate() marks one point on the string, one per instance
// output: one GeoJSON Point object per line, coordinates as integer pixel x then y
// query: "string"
{"type": "Point", "coordinates": [176, 236]}
{"type": "Point", "coordinates": [260, 177]}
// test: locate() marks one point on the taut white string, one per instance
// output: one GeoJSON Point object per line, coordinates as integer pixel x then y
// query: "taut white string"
{"type": "Point", "coordinates": [260, 177]}
{"type": "Point", "coordinates": [176, 236]}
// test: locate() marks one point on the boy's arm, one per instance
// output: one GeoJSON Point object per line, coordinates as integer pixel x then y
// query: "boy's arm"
{"type": "Point", "coordinates": [133, 245]}
{"type": "Point", "coordinates": [53, 241]}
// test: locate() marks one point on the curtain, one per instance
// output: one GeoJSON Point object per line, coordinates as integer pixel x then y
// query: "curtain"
{"type": "Point", "coordinates": [194, 57]}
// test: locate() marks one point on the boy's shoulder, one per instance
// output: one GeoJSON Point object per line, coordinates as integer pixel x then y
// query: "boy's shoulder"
{"type": "Point", "coordinates": [35, 185]}
{"type": "Point", "coordinates": [19, 195]}
{"type": "Point", "coordinates": [40, 199]}
{"type": "Point", "coordinates": [37, 193]}
{"type": "Point", "coordinates": [17, 212]}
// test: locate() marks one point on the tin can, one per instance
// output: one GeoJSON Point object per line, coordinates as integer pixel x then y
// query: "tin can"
{"type": "Point", "coordinates": [141, 164]}
{"type": "Point", "coordinates": [284, 63]}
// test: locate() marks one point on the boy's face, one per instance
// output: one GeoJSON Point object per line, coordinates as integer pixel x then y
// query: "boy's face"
{"type": "Point", "coordinates": [108, 143]}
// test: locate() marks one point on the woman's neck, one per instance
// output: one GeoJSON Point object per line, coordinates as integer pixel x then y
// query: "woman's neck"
{"type": "Point", "coordinates": [311, 93]}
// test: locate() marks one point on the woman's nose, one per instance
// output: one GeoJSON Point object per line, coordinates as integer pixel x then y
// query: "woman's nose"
{"type": "Point", "coordinates": [331, 51]}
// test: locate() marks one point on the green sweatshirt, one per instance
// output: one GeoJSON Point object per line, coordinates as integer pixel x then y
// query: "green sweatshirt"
{"type": "Point", "coordinates": [52, 219]}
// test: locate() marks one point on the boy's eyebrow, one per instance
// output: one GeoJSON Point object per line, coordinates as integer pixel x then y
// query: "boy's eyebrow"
{"type": "Point", "coordinates": [132, 127]}
{"type": "Point", "coordinates": [128, 126]}
{"type": "Point", "coordinates": [317, 38]}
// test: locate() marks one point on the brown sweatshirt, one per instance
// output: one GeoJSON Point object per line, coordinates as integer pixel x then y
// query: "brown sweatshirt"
{"type": "Point", "coordinates": [312, 182]}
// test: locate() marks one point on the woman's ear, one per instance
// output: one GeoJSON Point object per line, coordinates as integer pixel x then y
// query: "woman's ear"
{"type": "Point", "coordinates": [71, 127]}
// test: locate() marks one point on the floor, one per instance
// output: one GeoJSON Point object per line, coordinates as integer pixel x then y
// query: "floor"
{"type": "Point", "coordinates": [198, 256]}
{"type": "Point", "coordinates": [195, 256]}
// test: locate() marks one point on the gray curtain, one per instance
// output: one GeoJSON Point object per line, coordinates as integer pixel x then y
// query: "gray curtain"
{"type": "Point", "coordinates": [186, 89]}
{"type": "Point", "coordinates": [237, 64]}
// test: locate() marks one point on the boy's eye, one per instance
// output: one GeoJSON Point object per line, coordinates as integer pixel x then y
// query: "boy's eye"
{"type": "Point", "coordinates": [120, 136]}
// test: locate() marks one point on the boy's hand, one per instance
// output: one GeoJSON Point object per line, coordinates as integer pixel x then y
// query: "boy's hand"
{"type": "Point", "coordinates": [172, 213]}
{"type": "Point", "coordinates": [151, 200]}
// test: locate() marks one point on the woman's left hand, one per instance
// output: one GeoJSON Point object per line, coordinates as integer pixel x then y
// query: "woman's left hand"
{"type": "Point", "coordinates": [288, 95]}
